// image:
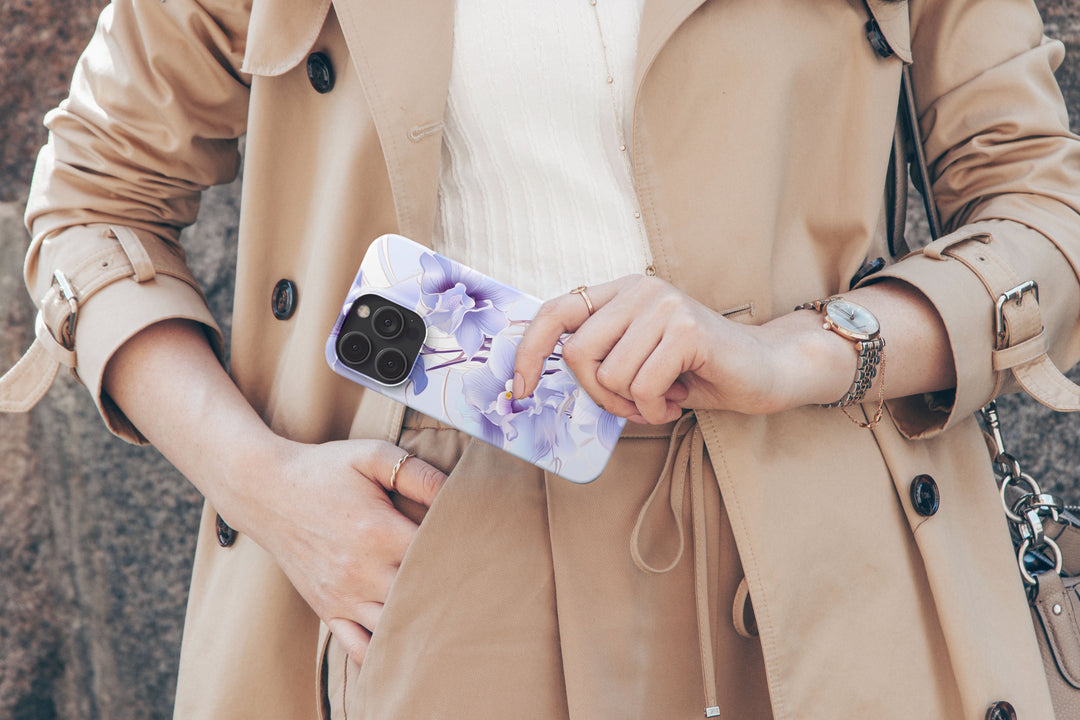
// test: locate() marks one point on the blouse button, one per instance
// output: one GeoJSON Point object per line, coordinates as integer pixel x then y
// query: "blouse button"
{"type": "Point", "coordinates": [320, 72]}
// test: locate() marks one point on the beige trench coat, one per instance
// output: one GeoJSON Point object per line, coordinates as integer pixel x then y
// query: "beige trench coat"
{"type": "Point", "coordinates": [761, 137]}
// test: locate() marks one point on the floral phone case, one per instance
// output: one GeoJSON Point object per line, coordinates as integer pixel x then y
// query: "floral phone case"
{"type": "Point", "coordinates": [462, 376]}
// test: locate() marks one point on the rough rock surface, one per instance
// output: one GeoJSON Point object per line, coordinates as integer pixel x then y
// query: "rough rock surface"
{"type": "Point", "coordinates": [96, 536]}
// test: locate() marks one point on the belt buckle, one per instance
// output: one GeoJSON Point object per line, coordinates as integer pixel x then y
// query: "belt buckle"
{"type": "Point", "coordinates": [1015, 295]}
{"type": "Point", "coordinates": [67, 293]}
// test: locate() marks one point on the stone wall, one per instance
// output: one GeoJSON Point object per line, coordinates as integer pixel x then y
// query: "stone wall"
{"type": "Point", "coordinates": [96, 536]}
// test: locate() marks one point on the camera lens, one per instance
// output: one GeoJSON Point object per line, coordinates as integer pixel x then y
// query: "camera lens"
{"type": "Point", "coordinates": [354, 348]}
{"type": "Point", "coordinates": [388, 322]}
{"type": "Point", "coordinates": [391, 365]}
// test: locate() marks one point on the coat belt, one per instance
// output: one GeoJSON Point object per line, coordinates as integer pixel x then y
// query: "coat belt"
{"type": "Point", "coordinates": [684, 465]}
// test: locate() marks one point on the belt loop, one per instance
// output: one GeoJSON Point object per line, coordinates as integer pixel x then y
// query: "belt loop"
{"type": "Point", "coordinates": [136, 253]}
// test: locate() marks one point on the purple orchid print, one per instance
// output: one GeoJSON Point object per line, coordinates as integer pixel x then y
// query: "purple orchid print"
{"type": "Point", "coordinates": [465, 367]}
{"type": "Point", "coordinates": [461, 302]}
{"type": "Point", "coordinates": [553, 421]}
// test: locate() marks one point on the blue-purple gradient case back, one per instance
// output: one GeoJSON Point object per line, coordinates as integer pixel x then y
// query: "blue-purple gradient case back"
{"type": "Point", "coordinates": [464, 372]}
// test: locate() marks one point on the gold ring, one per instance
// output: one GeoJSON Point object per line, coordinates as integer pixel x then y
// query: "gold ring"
{"type": "Point", "coordinates": [580, 290]}
{"type": "Point", "coordinates": [397, 466]}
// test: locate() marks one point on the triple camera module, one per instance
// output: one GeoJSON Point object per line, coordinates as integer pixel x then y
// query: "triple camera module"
{"type": "Point", "coordinates": [381, 339]}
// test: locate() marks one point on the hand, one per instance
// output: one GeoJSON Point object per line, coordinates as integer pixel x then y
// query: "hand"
{"type": "Point", "coordinates": [649, 350]}
{"type": "Point", "coordinates": [324, 513]}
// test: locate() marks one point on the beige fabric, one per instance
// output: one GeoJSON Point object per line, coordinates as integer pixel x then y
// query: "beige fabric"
{"type": "Point", "coordinates": [1020, 343]}
{"type": "Point", "coordinates": [529, 590]}
{"type": "Point", "coordinates": [745, 121]}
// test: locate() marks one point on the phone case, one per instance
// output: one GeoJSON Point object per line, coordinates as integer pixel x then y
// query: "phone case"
{"type": "Point", "coordinates": [464, 371]}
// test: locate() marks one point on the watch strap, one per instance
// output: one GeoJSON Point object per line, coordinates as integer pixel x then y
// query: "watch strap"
{"type": "Point", "coordinates": [870, 353]}
{"type": "Point", "coordinates": [865, 372]}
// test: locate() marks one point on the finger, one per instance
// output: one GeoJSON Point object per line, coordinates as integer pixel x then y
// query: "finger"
{"type": "Point", "coordinates": [352, 637]}
{"type": "Point", "coordinates": [654, 379]}
{"type": "Point", "coordinates": [678, 392]}
{"type": "Point", "coordinates": [584, 354]}
{"type": "Point", "coordinates": [556, 317]}
{"type": "Point", "coordinates": [368, 614]}
{"type": "Point", "coordinates": [415, 479]}
{"type": "Point", "coordinates": [619, 366]}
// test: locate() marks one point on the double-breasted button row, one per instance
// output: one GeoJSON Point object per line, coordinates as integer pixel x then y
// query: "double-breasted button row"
{"type": "Point", "coordinates": [226, 536]}
{"type": "Point", "coordinates": [283, 299]}
{"type": "Point", "coordinates": [925, 496]}
{"type": "Point", "coordinates": [1001, 710]}
{"type": "Point", "coordinates": [877, 39]}
{"type": "Point", "coordinates": [320, 72]}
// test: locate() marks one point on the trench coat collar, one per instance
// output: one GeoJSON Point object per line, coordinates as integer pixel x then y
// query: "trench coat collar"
{"type": "Point", "coordinates": [404, 67]}
{"type": "Point", "coordinates": [659, 21]}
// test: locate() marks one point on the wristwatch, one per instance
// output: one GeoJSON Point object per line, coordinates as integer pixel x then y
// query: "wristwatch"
{"type": "Point", "coordinates": [857, 324]}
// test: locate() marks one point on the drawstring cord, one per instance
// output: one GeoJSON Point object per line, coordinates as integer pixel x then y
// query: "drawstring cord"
{"type": "Point", "coordinates": [685, 460]}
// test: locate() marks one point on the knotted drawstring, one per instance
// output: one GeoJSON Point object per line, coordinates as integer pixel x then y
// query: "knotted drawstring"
{"type": "Point", "coordinates": [685, 459]}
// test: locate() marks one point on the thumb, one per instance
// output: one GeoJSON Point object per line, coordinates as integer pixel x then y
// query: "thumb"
{"type": "Point", "coordinates": [353, 638]}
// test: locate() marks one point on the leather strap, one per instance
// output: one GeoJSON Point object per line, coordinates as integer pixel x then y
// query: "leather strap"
{"type": "Point", "coordinates": [1021, 343]}
{"type": "Point", "coordinates": [54, 327]}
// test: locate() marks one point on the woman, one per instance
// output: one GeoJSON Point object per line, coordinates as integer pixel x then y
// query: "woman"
{"type": "Point", "coordinates": [775, 564]}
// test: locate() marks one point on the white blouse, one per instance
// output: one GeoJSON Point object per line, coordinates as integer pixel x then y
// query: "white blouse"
{"type": "Point", "coordinates": [536, 188]}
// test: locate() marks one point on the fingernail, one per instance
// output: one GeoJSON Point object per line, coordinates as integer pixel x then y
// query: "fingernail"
{"type": "Point", "coordinates": [519, 386]}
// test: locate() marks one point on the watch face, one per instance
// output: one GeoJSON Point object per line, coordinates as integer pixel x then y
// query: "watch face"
{"type": "Point", "coordinates": [851, 320]}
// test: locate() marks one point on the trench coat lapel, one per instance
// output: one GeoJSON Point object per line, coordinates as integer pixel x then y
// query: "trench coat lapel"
{"type": "Point", "coordinates": [658, 21]}
{"type": "Point", "coordinates": [404, 68]}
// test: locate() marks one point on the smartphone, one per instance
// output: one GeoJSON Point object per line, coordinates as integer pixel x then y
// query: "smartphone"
{"type": "Point", "coordinates": [441, 337]}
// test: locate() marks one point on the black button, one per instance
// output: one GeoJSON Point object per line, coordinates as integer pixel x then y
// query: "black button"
{"type": "Point", "coordinates": [1001, 711]}
{"type": "Point", "coordinates": [868, 268]}
{"type": "Point", "coordinates": [283, 300]}
{"type": "Point", "coordinates": [924, 495]}
{"type": "Point", "coordinates": [874, 35]}
{"type": "Point", "coordinates": [320, 72]}
{"type": "Point", "coordinates": [226, 536]}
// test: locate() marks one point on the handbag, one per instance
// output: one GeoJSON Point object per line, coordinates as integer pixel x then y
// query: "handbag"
{"type": "Point", "coordinates": [1046, 535]}
{"type": "Point", "coordinates": [1045, 532]}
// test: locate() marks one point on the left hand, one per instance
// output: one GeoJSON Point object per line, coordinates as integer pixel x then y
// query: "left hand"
{"type": "Point", "coordinates": [649, 350]}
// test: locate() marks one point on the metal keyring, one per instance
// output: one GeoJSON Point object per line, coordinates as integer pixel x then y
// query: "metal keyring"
{"type": "Point", "coordinates": [1024, 547]}
{"type": "Point", "coordinates": [1009, 466]}
{"type": "Point", "coordinates": [1005, 483]}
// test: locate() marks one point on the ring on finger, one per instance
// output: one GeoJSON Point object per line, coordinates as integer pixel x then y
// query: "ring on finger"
{"type": "Point", "coordinates": [581, 290]}
{"type": "Point", "coordinates": [397, 466]}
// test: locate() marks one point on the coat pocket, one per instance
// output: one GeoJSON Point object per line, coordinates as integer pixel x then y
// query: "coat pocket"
{"type": "Point", "coordinates": [442, 447]}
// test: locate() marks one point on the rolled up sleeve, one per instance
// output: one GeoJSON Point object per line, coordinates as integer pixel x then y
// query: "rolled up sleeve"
{"type": "Point", "coordinates": [157, 105]}
{"type": "Point", "coordinates": [1004, 166]}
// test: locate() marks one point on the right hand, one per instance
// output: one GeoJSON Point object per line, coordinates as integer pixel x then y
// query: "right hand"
{"type": "Point", "coordinates": [324, 513]}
